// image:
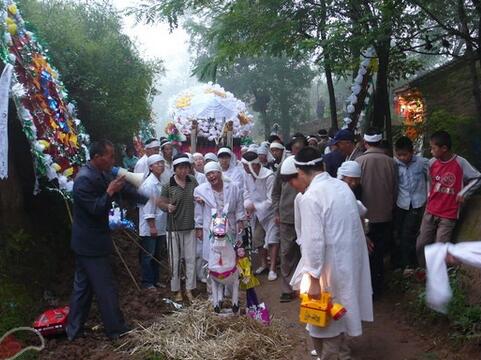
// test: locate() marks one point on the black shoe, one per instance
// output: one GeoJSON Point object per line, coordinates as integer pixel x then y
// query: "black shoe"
{"type": "Point", "coordinates": [117, 335]}
{"type": "Point", "coordinates": [287, 297]}
{"type": "Point", "coordinates": [217, 309]}
{"type": "Point", "coordinates": [235, 308]}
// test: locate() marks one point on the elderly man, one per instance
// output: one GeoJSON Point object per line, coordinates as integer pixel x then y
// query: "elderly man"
{"type": "Point", "coordinates": [278, 152]}
{"type": "Point", "coordinates": [151, 147]}
{"type": "Point", "coordinates": [228, 163]}
{"type": "Point", "coordinates": [152, 222]}
{"type": "Point", "coordinates": [218, 197]}
{"type": "Point", "coordinates": [258, 185]}
{"type": "Point", "coordinates": [198, 162]}
{"type": "Point", "coordinates": [379, 186]}
{"type": "Point", "coordinates": [167, 150]}
{"type": "Point", "coordinates": [334, 253]}
{"type": "Point", "coordinates": [177, 198]}
{"type": "Point", "coordinates": [93, 193]}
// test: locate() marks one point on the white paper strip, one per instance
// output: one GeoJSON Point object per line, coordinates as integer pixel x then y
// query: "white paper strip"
{"type": "Point", "coordinates": [5, 80]}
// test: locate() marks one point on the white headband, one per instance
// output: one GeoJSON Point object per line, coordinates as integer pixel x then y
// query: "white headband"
{"type": "Point", "coordinates": [349, 168]}
{"type": "Point", "coordinates": [165, 143]}
{"type": "Point", "coordinates": [152, 159]}
{"type": "Point", "coordinates": [262, 150]}
{"type": "Point", "coordinates": [224, 150]}
{"type": "Point", "coordinates": [255, 161]}
{"type": "Point", "coordinates": [212, 166]}
{"type": "Point", "coordinates": [373, 138]}
{"type": "Point", "coordinates": [183, 159]}
{"type": "Point", "coordinates": [152, 144]}
{"type": "Point", "coordinates": [288, 166]}
{"type": "Point", "coordinates": [276, 145]}
{"type": "Point", "coordinates": [308, 163]}
{"type": "Point", "coordinates": [211, 156]}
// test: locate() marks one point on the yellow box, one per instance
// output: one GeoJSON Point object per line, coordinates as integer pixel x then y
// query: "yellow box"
{"type": "Point", "coordinates": [315, 311]}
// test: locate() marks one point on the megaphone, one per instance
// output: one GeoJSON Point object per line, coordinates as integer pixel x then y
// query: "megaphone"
{"type": "Point", "coordinates": [135, 179]}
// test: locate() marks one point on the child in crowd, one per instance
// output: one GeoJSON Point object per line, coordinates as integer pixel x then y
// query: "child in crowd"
{"type": "Point", "coordinates": [412, 194]}
{"type": "Point", "coordinates": [452, 180]}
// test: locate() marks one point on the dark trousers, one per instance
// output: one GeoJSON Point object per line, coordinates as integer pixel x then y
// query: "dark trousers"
{"type": "Point", "coordinates": [93, 276]}
{"type": "Point", "coordinates": [380, 234]}
{"type": "Point", "coordinates": [406, 230]}
{"type": "Point", "coordinates": [148, 263]}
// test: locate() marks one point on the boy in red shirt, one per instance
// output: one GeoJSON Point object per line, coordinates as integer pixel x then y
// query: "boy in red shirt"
{"type": "Point", "coordinates": [451, 180]}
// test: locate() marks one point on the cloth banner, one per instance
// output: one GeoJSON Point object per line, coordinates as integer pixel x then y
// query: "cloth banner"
{"type": "Point", "coordinates": [4, 91]}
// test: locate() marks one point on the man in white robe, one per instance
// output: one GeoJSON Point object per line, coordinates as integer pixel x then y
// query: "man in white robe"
{"type": "Point", "coordinates": [220, 195]}
{"type": "Point", "coordinates": [151, 147]}
{"type": "Point", "coordinates": [258, 184]}
{"type": "Point", "coordinates": [334, 253]}
{"type": "Point", "coordinates": [228, 163]}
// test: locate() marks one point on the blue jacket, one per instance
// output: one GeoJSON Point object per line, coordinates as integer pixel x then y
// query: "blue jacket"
{"type": "Point", "coordinates": [91, 206]}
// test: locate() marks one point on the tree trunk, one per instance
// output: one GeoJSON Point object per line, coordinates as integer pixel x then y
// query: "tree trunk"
{"type": "Point", "coordinates": [381, 113]}
{"type": "Point", "coordinates": [267, 124]}
{"type": "Point", "coordinates": [473, 58]}
{"type": "Point", "coordinates": [332, 94]}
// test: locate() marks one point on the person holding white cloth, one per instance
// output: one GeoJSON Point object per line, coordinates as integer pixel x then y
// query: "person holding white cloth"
{"type": "Point", "coordinates": [334, 253]}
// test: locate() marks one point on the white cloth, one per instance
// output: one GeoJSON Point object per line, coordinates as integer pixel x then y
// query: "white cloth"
{"type": "Point", "coordinates": [200, 177]}
{"type": "Point", "coordinates": [152, 159]}
{"type": "Point", "coordinates": [349, 168]}
{"type": "Point", "coordinates": [152, 187]}
{"type": "Point", "coordinates": [5, 80]}
{"type": "Point", "coordinates": [236, 174]}
{"type": "Point", "coordinates": [203, 213]}
{"type": "Point", "coordinates": [333, 248]}
{"type": "Point", "coordinates": [438, 290]}
{"type": "Point", "coordinates": [258, 192]}
{"type": "Point", "coordinates": [142, 166]}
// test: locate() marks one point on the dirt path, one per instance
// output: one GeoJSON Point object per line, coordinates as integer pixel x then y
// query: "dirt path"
{"type": "Point", "coordinates": [389, 337]}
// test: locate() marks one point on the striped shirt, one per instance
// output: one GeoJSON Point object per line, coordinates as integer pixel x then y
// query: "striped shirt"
{"type": "Point", "coordinates": [182, 218]}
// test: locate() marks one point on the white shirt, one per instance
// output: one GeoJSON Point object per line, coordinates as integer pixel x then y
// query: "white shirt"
{"type": "Point", "coordinates": [334, 250]}
{"type": "Point", "coordinates": [200, 177]}
{"type": "Point", "coordinates": [152, 187]}
{"type": "Point", "coordinates": [142, 166]}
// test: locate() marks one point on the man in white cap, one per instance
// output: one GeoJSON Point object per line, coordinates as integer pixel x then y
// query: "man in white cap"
{"type": "Point", "coordinates": [177, 198]}
{"type": "Point", "coordinates": [228, 163]}
{"type": "Point", "coordinates": [334, 254]}
{"type": "Point", "coordinates": [151, 147]}
{"type": "Point", "coordinates": [278, 152]}
{"type": "Point", "coordinates": [283, 196]}
{"type": "Point", "coordinates": [152, 223]}
{"type": "Point", "coordinates": [219, 196]}
{"type": "Point", "coordinates": [258, 185]}
{"type": "Point", "coordinates": [379, 184]}
{"type": "Point", "coordinates": [208, 157]}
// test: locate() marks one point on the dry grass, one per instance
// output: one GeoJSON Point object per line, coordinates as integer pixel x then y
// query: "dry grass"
{"type": "Point", "coordinates": [197, 332]}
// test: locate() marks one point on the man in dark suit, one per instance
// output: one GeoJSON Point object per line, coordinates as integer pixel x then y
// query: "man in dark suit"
{"type": "Point", "coordinates": [93, 192]}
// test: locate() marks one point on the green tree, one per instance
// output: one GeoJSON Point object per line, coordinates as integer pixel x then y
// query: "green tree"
{"type": "Point", "coordinates": [100, 66]}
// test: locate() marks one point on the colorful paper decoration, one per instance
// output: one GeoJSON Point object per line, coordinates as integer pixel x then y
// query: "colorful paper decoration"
{"type": "Point", "coordinates": [57, 138]}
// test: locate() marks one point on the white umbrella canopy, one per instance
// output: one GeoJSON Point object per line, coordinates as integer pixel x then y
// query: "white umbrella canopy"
{"type": "Point", "coordinates": [211, 106]}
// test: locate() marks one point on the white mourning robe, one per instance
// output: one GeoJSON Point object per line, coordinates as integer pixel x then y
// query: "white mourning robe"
{"type": "Point", "coordinates": [233, 203]}
{"type": "Point", "coordinates": [258, 192]}
{"type": "Point", "coordinates": [236, 174]}
{"type": "Point", "coordinates": [142, 166]}
{"type": "Point", "coordinates": [152, 187]}
{"type": "Point", "coordinates": [333, 248]}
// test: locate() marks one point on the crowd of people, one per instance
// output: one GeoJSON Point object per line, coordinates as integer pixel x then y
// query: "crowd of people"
{"type": "Point", "coordinates": [321, 210]}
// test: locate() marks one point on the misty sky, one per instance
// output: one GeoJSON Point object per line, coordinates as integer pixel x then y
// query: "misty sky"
{"type": "Point", "coordinates": [155, 41]}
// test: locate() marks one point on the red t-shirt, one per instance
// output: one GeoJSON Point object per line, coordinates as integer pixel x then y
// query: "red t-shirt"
{"type": "Point", "coordinates": [447, 178]}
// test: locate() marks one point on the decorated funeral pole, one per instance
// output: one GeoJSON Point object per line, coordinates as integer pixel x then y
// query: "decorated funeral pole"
{"type": "Point", "coordinates": [362, 90]}
{"type": "Point", "coordinates": [48, 118]}
{"type": "Point", "coordinates": [207, 117]}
